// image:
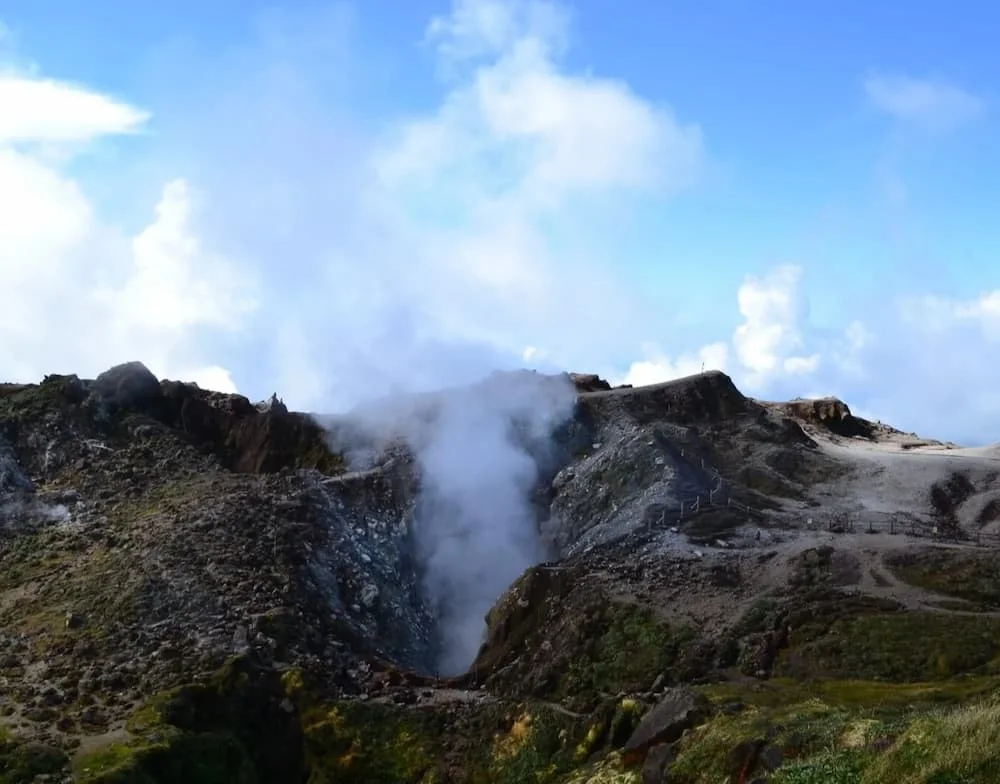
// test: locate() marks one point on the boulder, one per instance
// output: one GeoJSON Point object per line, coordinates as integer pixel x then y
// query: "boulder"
{"type": "Point", "coordinates": [126, 386]}
{"type": "Point", "coordinates": [679, 710]}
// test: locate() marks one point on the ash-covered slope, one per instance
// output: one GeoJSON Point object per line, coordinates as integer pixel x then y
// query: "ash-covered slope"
{"type": "Point", "coordinates": [196, 588]}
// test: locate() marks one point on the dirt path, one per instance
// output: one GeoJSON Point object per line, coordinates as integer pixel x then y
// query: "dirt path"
{"type": "Point", "coordinates": [875, 577]}
{"type": "Point", "coordinates": [878, 580]}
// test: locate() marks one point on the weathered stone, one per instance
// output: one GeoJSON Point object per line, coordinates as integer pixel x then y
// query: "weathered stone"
{"type": "Point", "coordinates": [679, 710]}
{"type": "Point", "coordinates": [125, 386]}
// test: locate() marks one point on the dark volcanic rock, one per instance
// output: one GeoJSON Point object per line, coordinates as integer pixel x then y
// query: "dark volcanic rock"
{"type": "Point", "coordinates": [248, 440]}
{"type": "Point", "coordinates": [708, 396]}
{"type": "Point", "coordinates": [588, 382]}
{"type": "Point", "coordinates": [126, 386]}
{"type": "Point", "coordinates": [680, 709]}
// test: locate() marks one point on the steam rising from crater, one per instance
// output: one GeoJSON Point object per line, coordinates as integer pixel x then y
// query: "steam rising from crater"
{"type": "Point", "coordinates": [479, 449]}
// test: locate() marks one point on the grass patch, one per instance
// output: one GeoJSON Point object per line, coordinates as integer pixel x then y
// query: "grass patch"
{"type": "Point", "coordinates": [369, 744]}
{"type": "Point", "coordinates": [852, 732]}
{"type": "Point", "coordinates": [835, 767]}
{"type": "Point", "coordinates": [377, 743]}
{"type": "Point", "coordinates": [956, 747]}
{"type": "Point", "coordinates": [852, 694]}
{"type": "Point", "coordinates": [906, 646]}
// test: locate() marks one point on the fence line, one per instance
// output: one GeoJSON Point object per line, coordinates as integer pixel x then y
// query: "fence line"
{"type": "Point", "coordinates": [938, 533]}
{"type": "Point", "coordinates": [718, 497]}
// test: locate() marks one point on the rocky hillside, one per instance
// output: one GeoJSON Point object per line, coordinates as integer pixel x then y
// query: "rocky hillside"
{"type": "Point", "coordinates": [706, 588]}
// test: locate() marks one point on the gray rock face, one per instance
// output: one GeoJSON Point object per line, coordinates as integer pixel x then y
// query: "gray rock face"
{"type": "Point", "coordinates": [617, 479]}
{"type": "Point", "coordinates": [12, 477]}
{"type": "Point", "coordinates": [365, 567]}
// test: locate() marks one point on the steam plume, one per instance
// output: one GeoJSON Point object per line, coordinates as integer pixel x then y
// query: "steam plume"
{"type": "Point", "coordinates": [479, 449]}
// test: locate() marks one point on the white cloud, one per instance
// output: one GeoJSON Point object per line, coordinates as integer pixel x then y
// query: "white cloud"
{"type": "Point", "coordinates": [932, 314]}
{"type": "Point", "coordinates": [213, 377]}
{"type": "Point", "coordinates": [657, 367]}
{"type": "Point", "coordinates": [78, 294]}
{"type": "Point", "coordinates": [426, 255]}
{"type": "Point", "coordinates": [175, 283]}
{"type": "Point", "coordinates": [772, 310]}
{"type": "Point", "coordinates": [304, 256]}
{"type": "Point", "coordinates": [484, 28]}
{"type": "Point", "coordinates": [765, 344]}
{"type": "Point", "coordinates": [461, 235]}
{"type": "Point", "coordinates": [43, 110]}
{"type": "Point", "coordinates": [519, 150]}
{"type": "Point", "coordinates": [919, 363]}
{"type": "Point", "coordinates": [519, 131]}
{"type": "Point", "coordinates": [928, 103]}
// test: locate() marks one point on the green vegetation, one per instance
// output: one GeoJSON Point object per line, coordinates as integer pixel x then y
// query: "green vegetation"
{"type": "Point", "coordinates": [958, 747]}
{"type": "Point", "coordinates": [379, 743]}
{"type": "Point", "coordinates": [907, 735]}
{"type": "Point", "coordinates": [21, 762]}
{"type": "Point", "coordinates": [911, 646]}
{"type": "Point", "coordinates": [245, 726]}
{"type": "Point", "coordinates": [369, 743]}
{"type": "Point", "coordinates": [972, 576]}
{"type": "Point", "coordinates": [170, 758]}
{"type": "Point", "coordinates": [229, 729]}
{"type": "Point", "coordinates": [852, 694]}
{"type": "Point", "coordinates": [628, 647]}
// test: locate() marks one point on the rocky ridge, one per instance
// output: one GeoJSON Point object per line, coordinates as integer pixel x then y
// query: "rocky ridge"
{"type": "Point", "coordinates": [196, 587]}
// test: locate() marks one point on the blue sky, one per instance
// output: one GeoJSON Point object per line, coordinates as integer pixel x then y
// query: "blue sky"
{"type": "Point", "coordinates": [333, 200]}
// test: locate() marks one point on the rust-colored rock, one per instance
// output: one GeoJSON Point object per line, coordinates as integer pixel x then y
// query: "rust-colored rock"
{"type": "Point", "coordinates": [247, 440]}
{"type": "Point", "coordinates": [831, 414]}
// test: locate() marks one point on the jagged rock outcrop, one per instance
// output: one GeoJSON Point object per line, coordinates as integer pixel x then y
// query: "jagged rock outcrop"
{"type": "Point", "coordinates": [588, 382]}
{"type": "Point", "coordinates": [831, 414]}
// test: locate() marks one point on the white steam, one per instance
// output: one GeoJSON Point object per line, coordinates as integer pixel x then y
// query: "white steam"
{"type": "Point", "coordinates": [478, 450]}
